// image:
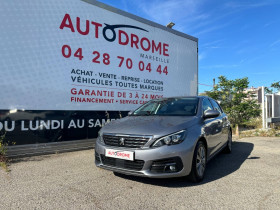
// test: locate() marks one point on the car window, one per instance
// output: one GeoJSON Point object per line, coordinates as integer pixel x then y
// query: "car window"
{"type": "Point", "coordinates": [221, 108]}
{"type": "Point", "coordinates": [206, 105]}
{"type": "Point", "coordinates": [216, 106]}
{"type": "Point", "coordinates": [149, 106]}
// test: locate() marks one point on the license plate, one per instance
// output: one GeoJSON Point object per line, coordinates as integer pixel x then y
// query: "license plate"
{"type": "Point", "coordinates": [119, 154]}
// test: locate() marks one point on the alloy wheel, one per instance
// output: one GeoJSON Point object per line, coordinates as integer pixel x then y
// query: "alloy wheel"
{"type": "Point", "coordinates": [200, 161]}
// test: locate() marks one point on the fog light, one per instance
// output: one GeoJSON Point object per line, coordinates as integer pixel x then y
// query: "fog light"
{"type": "Point", "coordinates": [168, 165]}
{"type": "Point", "coordinates": [173, 168]}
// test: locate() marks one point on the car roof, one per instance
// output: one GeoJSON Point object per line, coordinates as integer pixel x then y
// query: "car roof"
{"type": "Point", "coordinates": [181, 97]}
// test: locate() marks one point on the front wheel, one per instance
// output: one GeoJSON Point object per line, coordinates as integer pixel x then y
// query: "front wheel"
{"type": "Point", "coordinates": [229, 143]}
{"type": "Point", "coordinates": [198, 163]}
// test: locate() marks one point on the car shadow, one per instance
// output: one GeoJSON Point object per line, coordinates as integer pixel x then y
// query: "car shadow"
{"type": "Point", "coordinates": [219, 167]}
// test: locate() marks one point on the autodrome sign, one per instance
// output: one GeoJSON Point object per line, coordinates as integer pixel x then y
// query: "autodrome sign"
{"type": "Point", "coordinates": [72, 55]}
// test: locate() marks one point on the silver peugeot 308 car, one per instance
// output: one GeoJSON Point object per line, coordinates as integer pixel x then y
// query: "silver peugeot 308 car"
{"type": "Point", "coordinates": [168, 137]}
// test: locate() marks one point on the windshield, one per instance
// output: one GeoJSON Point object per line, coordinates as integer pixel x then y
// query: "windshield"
{"type": "Point", "coordinates": [169, 107]}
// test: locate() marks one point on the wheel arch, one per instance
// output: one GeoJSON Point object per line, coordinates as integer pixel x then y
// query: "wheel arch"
{"type": "Point", "coordinates": [203, 140]}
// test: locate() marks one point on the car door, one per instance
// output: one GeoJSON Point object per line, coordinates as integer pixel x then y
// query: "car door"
{"type": "Point", "coordinates": [222, 123]}
{"type": "Point", "coordinates": [211, 128]}
{"type": "Point", "coordinates": [225, 123]}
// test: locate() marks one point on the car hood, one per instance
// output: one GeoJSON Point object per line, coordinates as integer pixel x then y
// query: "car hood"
{"type": "Point", "coordinates": [149, 125]}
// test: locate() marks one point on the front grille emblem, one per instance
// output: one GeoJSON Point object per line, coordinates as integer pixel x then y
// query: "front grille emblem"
{"type": "Point", "coordinates": [121, 142]}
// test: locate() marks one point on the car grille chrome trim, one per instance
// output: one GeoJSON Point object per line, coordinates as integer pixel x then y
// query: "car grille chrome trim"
{"type": "Point", "coordinates": [130, 141]}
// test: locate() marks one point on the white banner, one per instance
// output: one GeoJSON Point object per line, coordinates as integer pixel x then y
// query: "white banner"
{"type": "Point", "coordinates": [72, 55]}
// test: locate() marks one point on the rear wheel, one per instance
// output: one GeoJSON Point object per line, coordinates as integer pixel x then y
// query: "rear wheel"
{"type": "Point", "coordinates": [229, 143]}
{"type": "Point", "coordinates": [198, 163]}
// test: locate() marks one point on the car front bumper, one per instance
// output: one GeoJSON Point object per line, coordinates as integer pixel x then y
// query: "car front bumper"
{"type": "Point", "coordinates": [150, 162]}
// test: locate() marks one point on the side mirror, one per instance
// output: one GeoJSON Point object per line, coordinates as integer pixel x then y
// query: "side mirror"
{"type": "Point", "coordinates": [211, 114]}
{"type": "Point", "coordinates": [130, 113]}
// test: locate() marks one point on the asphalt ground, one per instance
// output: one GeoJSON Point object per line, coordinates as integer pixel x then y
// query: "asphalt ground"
{"type": "Point", "coordinates": [249, 178]}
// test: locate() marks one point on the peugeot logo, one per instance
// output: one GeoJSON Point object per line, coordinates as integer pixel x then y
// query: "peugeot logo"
{"type": "Point", "coordinates": [121, 142]}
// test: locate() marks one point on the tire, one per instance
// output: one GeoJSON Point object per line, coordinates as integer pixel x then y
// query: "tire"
{"type": "Point", "coordinates": [198, 163]}
{"type": "Point", "coordinates": [117, 174]}
{"type": "Point", "coordinates": [228, 148]}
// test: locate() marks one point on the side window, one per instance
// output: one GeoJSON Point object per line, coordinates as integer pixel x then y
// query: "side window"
{"type": "Point", "coordinates": [216, 106]}
{"type": "Point", "coordinates": [206, 105]}
{"type": "Point", "coordinates": [221, 108]}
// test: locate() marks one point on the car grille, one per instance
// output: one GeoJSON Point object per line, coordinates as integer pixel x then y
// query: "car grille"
{"type": "Point", "coordinates": [136, 165]}
{"type": "Point", "coordinates": [129, 141]}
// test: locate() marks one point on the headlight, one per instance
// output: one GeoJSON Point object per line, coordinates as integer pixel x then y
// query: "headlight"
{"type": "Point", "coordinates": [100, 137]}
{"type": "Point", "coordinates": [174, 138]}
